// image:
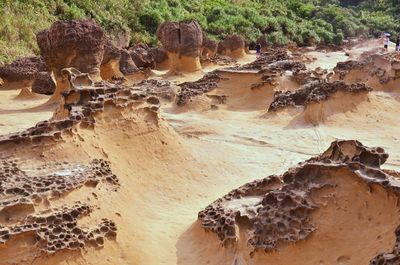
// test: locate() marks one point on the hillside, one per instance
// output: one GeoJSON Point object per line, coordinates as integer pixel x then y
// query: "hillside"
{"type": "Point", "coordinates": [304, 22]}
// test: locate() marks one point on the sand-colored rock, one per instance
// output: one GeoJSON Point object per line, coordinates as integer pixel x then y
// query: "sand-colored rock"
{"type": "Point", "coordinates": [182, 41]}
{"type": "Point", "coordinates": [77, 43]}
{"type": "Point", "coordinates": [233, 46]}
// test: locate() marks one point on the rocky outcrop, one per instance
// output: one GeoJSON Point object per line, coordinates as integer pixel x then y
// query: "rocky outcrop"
{"type": "Point", "coordinates": [109, 68]}
{"type": "Point", "coordinates": [379, 71]}
{"type": "Point", "coordinates": [43, 84]}
{"type": "Point", "coordinates": [160, 56]}
{"type": "Point", "coordinates": [183, 41]}
{"type": "Point", "coordinates": [126, 65]}
{"type": "Point", "coordinates": [23, 70]}
{"type": "Point", "coordinates": [142, 56]}
{"type": "Point", "coordinates": [208, 47]}
{"type": "Point", "coordinates": [162, 89]}
{"type": "Point", "coordinates": [82, 99]}
{"type": "Point", "coordinates": [276, 211]}
{"type": "Point", "coordinates": [77, 43]}
{"type": "Point", "coordinates": [315, 91]}
{"type": "Point", "coordinates": [199, 87]}
{"type": "Point", "coordinates": [232, 45]}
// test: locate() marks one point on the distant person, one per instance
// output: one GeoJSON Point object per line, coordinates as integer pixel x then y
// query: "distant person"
{"type": "Point", "coordinates": [398, 43]}
{"type": "Point", "coordinates": [258, 49]}
{"type": "Point", "coordinates": [386, 40]}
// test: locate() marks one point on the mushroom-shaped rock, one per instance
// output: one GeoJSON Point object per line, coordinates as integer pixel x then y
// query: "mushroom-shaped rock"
{"type": "Point", "coordinates": [142, 56]}
{"type": "Point", "coordinates": [109, 68]}
{"type": "Point", "coordinates": [43, 84]}
{"type": "Point", "coordinates": [233, 46]}
{"type": "Point", "coordinates": [77, 43]}
{"type": "Point", "coordinates": [126, 64]}
{"type": "Point", "coordinates": [209, 47]}
{"type": "Point", "coordinates": [161, 59]}
{"type": "Point", "coordinates": [183, 41]}
{"type": "Point", "coordinates": [22, 71]}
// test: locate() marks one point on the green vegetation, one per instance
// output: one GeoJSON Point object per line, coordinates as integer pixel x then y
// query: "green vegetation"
{"type": "Point", "coordinates": [305, 22]}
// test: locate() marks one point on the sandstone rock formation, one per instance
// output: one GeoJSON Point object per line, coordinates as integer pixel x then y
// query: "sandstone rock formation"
{"type": "Point", "coordinates": [81, 100]}
{"type": "Point", "coordinates": [43, 84]}
{"type": "Point", "coordinates": [109, 68]}
{"type": "Point", "coordinates": [78, 44]}
{"type": "Point", "coordinates": [183, 41]}
{"type": "Point", "coordinates": [232, 45]}
{"type": "Point", "coordinates": [208, 48]}
{"type": "Point", "coordinates": [201, 86]}
{"type": "Point", "coordinates": [142, 56]}
{"type": "Point", "coordinates": [22, 70]}
{"type": "Point", "coordinates": [379, 71]}
{"type": "Point", "coordinates": [315, 91]}
{"type": "Point", "coordinates": [126, 65]}
{"type": "Point", "coordinates": [161, 59]}
{"type": "Point", "coordinates": [272, 213]}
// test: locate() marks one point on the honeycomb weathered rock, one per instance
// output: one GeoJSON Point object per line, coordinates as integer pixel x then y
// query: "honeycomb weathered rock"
{"type": "Point", "coordinates": [58, 229]}
{"type": "Point", "coordinates": [19, 185]}
{"type": "Point", "coordinates": [315, 91]}
{"type": "Point", "coordinates": [276, 210]}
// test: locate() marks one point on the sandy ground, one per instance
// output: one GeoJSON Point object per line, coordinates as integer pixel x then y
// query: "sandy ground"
{"type": "Point", "coordinates": [172, 168]}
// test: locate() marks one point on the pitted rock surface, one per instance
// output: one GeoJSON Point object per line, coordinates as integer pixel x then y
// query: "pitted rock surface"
{"type": "Point", "coordinates": [313, 92]}
{"type": "Point", "coordinates": [184, 38]}
{"type": "Point", "coordinates": [23, 69]}
{"type": "Point", "coordinates": [159, 88]}
{"type": "Point", "coordinates": [276, 210]}
{"type": "Point", "coordinates": [21, 185]}
{"type": "Point", "coordinates": [141, 56]}
{"type": "Point", "coordinates": [76, 43]}
{"type": "Point", "coordinates": [43, 84]}
{"type": "Point", "coordinates": [58, 229]}
{"type": "Point", "coordinates": [84, 99]}
{"type": "Point", "coordinates": [191, 89]}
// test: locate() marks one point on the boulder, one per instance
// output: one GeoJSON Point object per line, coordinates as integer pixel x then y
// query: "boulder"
{"type": "Point", "coordinates": [233, 46]}
{"type": "Point", "coordinates": [22, 70]}
{"type": "Point", "coordinates": [76, 43]}
{"type": "Point", "coordinates": [182, 41]}
{"type": "Point", "coordinates": [142, 56]}
{"type": "Point", "coordinates": [43, 84]}
{"type": "Point", "coordinates": [161, 59]}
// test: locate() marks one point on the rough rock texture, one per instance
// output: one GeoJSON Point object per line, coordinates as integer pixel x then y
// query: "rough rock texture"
{"type": "Point", "coordinates": [182, 41]}
{"type": "Point", "coordinates": [276, 210]}
{"type": "Point", "coordinates": [142, 56]}
{"type": "Point", "coordinates": [313, 92]}
{"type": "Point", "coordinates": [43, 84]}
{"type": "Point", "coordinates": [232, 44]}
{"type": "Point", "coordinates": [183, 38]}
{"type": "Point", "coordinates": [126, 65]}
{"type": "Point", "coordinates": [19, 186]}
{"type": "Point", "coordinates": [160, 56]}
{"type": "Point", "coordinates": [209, 47]}
{"type": "Point", "coordinates": [262, 40]}
{"type": "Point", "coordinates": [191, 89]}
{"type": "Point", "coordinates": [58, 229]}
{"type": "Point", "coordinates": [263, 61]}
{"type": "Point", "coordinates": [77, 43]}
{"type": "Point", "coordinates": [392, 258]}
{"type": "Point", "coordinates": [23, 69]}
{"type": "Point", "coordinates": [377, 70]}
{"type": "Point", "coordinates": [82, 100]}
{"type": "Point", "coordinates": [159, 88]}
{"type": "Point", "coordinates": [109, 68]}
